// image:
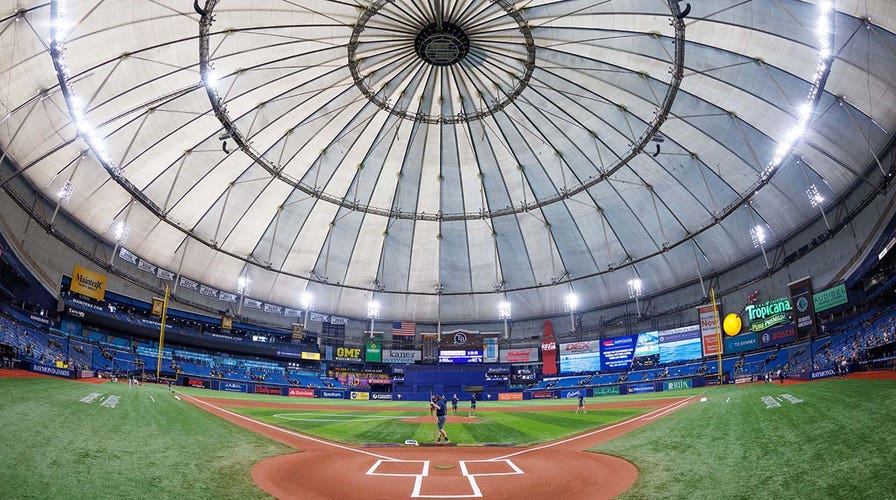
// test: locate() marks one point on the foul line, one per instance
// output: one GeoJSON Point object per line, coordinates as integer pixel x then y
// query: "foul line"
{"type": "Point", "coordinates": [291, 433]}
{"type": "Point", "coordinates": [673, 406]}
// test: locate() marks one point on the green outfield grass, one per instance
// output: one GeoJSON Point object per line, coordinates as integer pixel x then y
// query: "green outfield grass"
{"type": "Point", "coordinates": [54, 446]}
{"type": "Point", "coordinates": [518, 427]}
{"type": "Point", "coordinates": [838, 443]}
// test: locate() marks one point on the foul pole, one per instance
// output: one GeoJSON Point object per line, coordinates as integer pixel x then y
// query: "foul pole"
{"type": "Point", "coordinates": [162, 333]}
{"type": "Point", "coordinates": [715, 313]}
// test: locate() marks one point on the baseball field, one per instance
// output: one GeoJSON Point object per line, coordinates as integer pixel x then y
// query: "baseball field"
{"type": "Point", "coordinates": [826, 439]}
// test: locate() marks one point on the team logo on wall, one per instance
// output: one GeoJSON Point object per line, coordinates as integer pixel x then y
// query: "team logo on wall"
{"type": "Point", "coordinates": [802, 304]}
{"type": "Point", "coordinates": [460, 338]}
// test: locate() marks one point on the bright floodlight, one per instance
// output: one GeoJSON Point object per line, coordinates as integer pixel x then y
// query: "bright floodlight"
{"type": "Point", "coordinates": [373, 309]}
{"type": "Point", "coordinates": [504, 310]}
{"type": "Point", "coordinates": [757, 234]}
{"type": "Point", "coordinates": [243, 284]}
{"type": "Point", "coordinates": [65, 192]}
{"type": "Point", "coordinates": [572, 302]}
{"type": "Point", "coordinates": [307, 300]}
{"type": "Point", "coordinates": [815, 197]}
{"type": "Point", "coordinates": [121, 232]}
{"type": "Point", "coordinates": [635, 288]}
{"type": "Point", "coordinates": [211, 80]}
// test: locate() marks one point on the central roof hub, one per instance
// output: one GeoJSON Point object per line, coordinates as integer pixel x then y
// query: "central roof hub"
{"type": "Point", "coordinates": [442, 44]}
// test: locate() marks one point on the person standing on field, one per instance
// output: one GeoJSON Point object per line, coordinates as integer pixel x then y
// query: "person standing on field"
{"type": "Point", "coordinates": [441, 409]}
{"type": "Point", "coordinates": [581, 404]}
{"type": "Point", "coordinates": [472, 406]}
{"type": "Point", "coordinates": [454, 404]}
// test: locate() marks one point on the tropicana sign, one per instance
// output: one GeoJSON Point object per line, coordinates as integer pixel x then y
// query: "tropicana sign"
{"type": "Point", "coordinates": [768, 313]}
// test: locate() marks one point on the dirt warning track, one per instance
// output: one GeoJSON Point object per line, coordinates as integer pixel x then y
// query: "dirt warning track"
{"type": "Point", "coordinates": [326, 470]}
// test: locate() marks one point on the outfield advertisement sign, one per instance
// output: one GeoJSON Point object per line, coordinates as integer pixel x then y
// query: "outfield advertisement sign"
{"type": "Point", "coordinates": [640, 388]}
{"type": "Point", "coordinates": [674, 385]}
{"type": "Point", "coordinates": [576, 357]}
{"type": "Point", "coordinates": [680, 344]}
{"type": "Point", "coordinates": [198, 383]}
{"type": "Point", "coordinates": [360, 396]}
{"type": "Point", "coordinates": [49, 370]}
{"type": "Point", "coordinates": [768, 314]}
{"type": "Point", "coordinates": [299, 392]}
{"type": "Point", "coordinates": [710, 330]}
{"type": "Point", "coordinates": [519, 355]}
{"type": "Point", "coordinates": [830, 298]}
{"type": "Point", "coordinates": [510, 396]}
{"type": "Point", "coordinates": [380, 395]}
{"type": "Point", "coordinates": [548, 349]}
{"type": "Point", "coordinates": [777, 336]}
{"type": "Point", "coordinates": [232, 387]}
{"type": "Point", "coordinates": [264, 389]}
{"type": "Point", "coordinates": [348, 354]}
{"type": "Point", "coordinates": [612, 390]}
{"type": "Point", "coordinates": [741, 343]}
{"type": "Point", "coordinates": [616, 353]}
{"type": "Point", "coordinates": [400, 356]}
{"type": "Point", "coordinates": [572, 393]}
{"type": "Point", "coordinates": [542, 395]}
{"type": "Point", "coordinates": [332, 394]}
{"type": "Point", "coordinates": [803, 308]}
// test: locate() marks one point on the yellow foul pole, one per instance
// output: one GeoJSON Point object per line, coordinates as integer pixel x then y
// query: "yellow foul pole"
{"type": "Point", "coordinates": [162, 332]}
{"type": "Point", "coordinates": [715, 313]}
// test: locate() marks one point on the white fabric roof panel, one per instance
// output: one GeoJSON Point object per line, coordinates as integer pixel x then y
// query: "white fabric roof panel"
{"type": "Point", "coordinates": [370, 148]}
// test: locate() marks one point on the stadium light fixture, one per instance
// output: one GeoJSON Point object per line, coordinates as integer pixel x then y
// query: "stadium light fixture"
{"type": "Point", "coordinates": [65, 192]}
{"type": "Point", "coordinates": [243, 284]}
{"type": "Point", "coordinates": [635, 288]}
{"type": "Point", "coordinates": [571, 302]}
{"type": "Point", "coordinates": [373, 309]}
{"type": "Point", "coordinates": [757, 234]}
{"type": "Point", "coordinates": [815, 198]}
{"type": "Point", "coordinates": [121, 232]}
{"type": "Point", "coordinates": [307, 301]}
{"type": "Point", "coordinates": [504, 310]}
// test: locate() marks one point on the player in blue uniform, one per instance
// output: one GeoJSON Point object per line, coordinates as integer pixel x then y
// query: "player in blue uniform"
{"type": "Point", "coordinates": [441, 409]}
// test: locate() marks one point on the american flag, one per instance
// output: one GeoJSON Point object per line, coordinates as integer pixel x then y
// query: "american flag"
{"type": "Point", "coordinates": [403, 328]}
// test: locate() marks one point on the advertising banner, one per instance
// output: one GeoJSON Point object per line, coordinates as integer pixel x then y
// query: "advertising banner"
{"type": "Point", "coordinates": [311, 356]}
{"type": "Point", "coordinates": [208, 291]}
{"type": "Point", "coordinates": [573, 393]}
{"type": "Point", "coordinates": [579, 347]}
{"type": "Point", "coordinates": [740, 343]}
{"type": "Point", "coordinates": [710, 330]}
{"type": "Point", "coordinates": [381, 395]}
{"type": "Point", "coordinates": [776, 336]}
{"type": "Point", "coordinates": [647, 350]}
{"type": "Point", "coordinates": [430, 344]}
{"type": "Point", "coordinates": [616, 353]}
{"type": "Point", "coordinates": [580, 363]}
{"type": "Point", "coordinates": [157, 306]}
{"type": "Point", "coordinates": [680, 344]}
{"type": "Point", "coordinates": [612, 390]}
{"type": "Point", "coordinates": [489, 348]}
{"type": "Point", "coordinates": [188, 283]}
{"type": "Point", "coordinates": [127, 255]}
{"type": "Point", "coordinates": [232, 387]}
{"type": "Point", "coordinates": [198, 383]}
{"type": "Point", "coordinates": [768, 314]}
{"type": "Point", "coordinates": [348, 354]}
{"type": "Point", "coordinates": [49, 370]}
{"type": "Point", "coordinates": [400, 356]}
{"type": "Point", "coordinates": [830, 298]}
{"type": "Point", "coordinates": [510, 396]}
{"type": "Point", "coordinates": [803, 308]}
{"type": "Point", "coordinates": [519, 355]}
{"type": "Point", "coordinates": [89, 283]}
{"type": "Point", "coordinates": [264, 389]}
{"type": "Point", "coordinates": [673, 385]}
{"type": "Point", "coordinates": [548, 350]}
{"type": "Point", "coordinates": [332, 394]}
{"type": "Point", "coordinates": [542, 395]}
{"type": "Point", "coordinates": [226, 323]}
{"type": "Point", "coordinates": [360, 396]}
{"type": "Point", "coordinates": [300, 392]}
{"type": "Point", "coordinates": [373, 352]}
{"type": "Point", "coordinates": [640, 388]}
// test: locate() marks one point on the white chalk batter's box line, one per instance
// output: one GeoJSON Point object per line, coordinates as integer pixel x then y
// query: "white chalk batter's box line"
{"type": "Point", "coordinates": [471, 478]}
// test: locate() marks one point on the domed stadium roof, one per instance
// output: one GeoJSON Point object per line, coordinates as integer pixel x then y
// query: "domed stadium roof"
{"type": "Point", "coordinates": [446, 154]}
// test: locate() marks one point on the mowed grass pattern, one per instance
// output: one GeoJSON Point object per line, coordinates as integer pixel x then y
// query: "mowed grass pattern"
{"type": "Point", "coordinates": [386, 427]}
{"type": "Point", "coordinates": [838, 443]}
{"type": "Point", "coordinates": [54, 446]}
